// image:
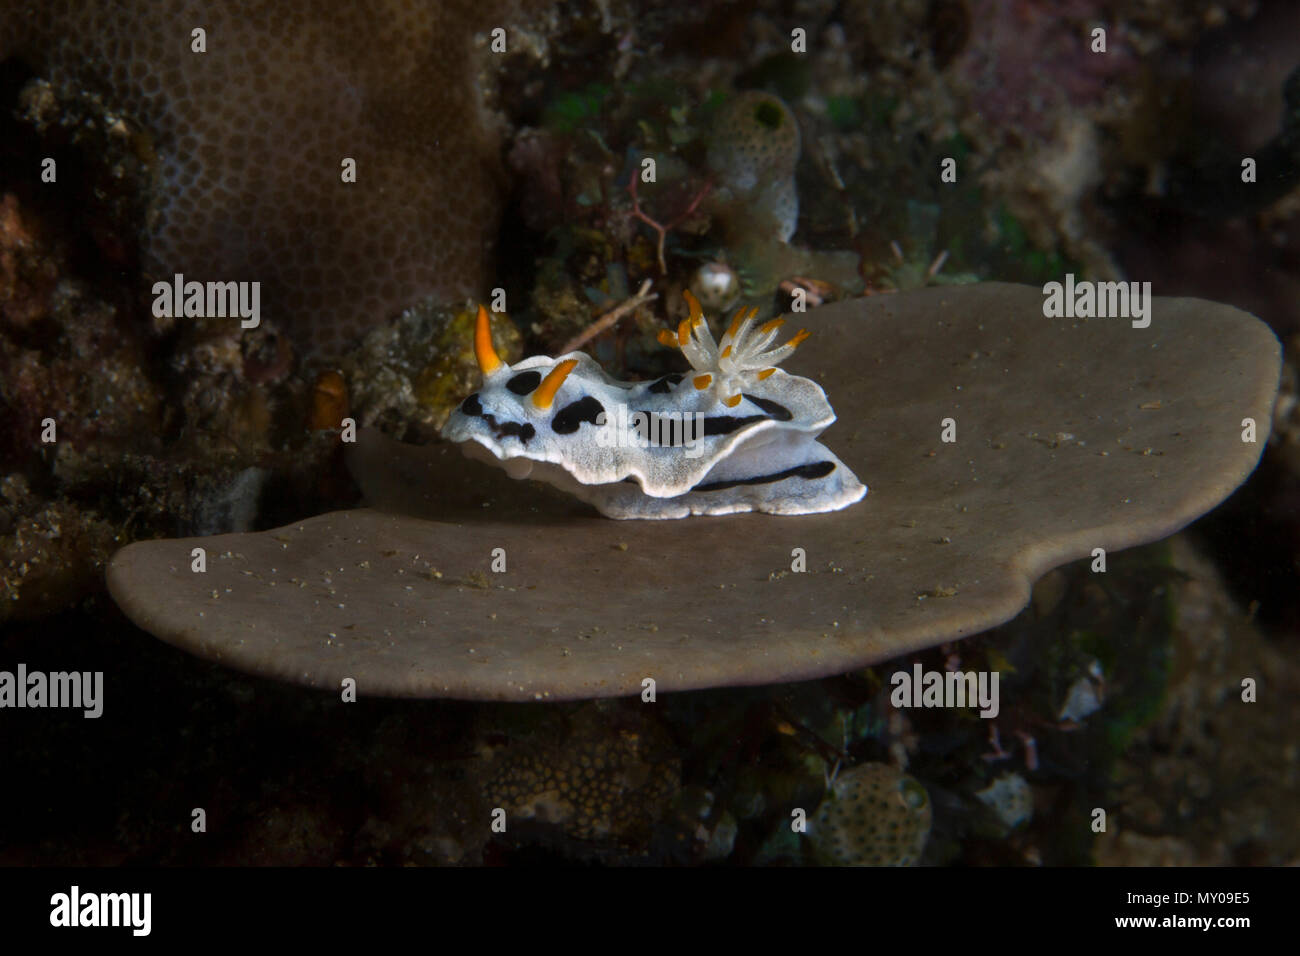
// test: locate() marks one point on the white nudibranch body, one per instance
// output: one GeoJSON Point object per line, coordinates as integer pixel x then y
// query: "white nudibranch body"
{"type": "Point", "coordinates": [736, 434]}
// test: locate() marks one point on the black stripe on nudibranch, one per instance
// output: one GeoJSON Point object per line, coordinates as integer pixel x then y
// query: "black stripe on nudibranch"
{"type": "Point", "coordinates": [811, 472]}
{"type": "Point", "coordinates": [568, 418]}
{"type": "Point", "coordinates": [775, 409]}
{"type": "Point", "coordinates": [472, 406]}
{"type": "Point", "coordinates": [664, 385]}
{"type": "Point", "coordinates": [724, 425]}
{"type": "Point", "coordinates": [525, 383]}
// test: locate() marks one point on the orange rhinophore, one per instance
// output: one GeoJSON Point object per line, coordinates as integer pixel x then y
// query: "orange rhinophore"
{"type": "Point", "coordinates": [544, 397]}
{"type": "Point", "coordinates": [488, 360]}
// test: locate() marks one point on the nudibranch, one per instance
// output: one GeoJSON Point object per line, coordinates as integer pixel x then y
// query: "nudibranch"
{"type": "Point", "coordinates": [737, 434]}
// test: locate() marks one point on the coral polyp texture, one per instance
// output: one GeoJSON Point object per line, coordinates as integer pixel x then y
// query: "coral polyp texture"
{"type": "Point", "coordinates": [595, 782]}
{"type": "Point", "coordinates": [250, 137]}
{"type": "Point", "coordinates": [753, 151]}
{"type": "Point", "coordinates": [874, 815]}
{"type": "Point", "coordinates": [738, 434]}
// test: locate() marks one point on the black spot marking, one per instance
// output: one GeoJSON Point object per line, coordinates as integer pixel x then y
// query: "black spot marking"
{"type": "Point", "coordinates": [525, 382]}
{"type": "Point", "coordinates": [568, 418]}
{"type": "Point", "coordinates": [664, 385]}
{"type": "Point", "coordinates": [775, 409]}
{"type": "Point", "coordinates": [522, 431]}
{"type": "Point", "coordinates": [818, 469]}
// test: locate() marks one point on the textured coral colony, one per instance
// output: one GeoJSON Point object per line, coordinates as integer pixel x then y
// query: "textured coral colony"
{"type": "Point", "coordinates": [291, 290]}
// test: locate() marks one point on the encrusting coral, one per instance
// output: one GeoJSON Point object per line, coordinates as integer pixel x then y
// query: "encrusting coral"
{"type": "Point", "coordinates": [874, 815]}
{"type": "Point", "coordinates": [250, 136]}
{"type": "Point", "coordinates": [595, 782]}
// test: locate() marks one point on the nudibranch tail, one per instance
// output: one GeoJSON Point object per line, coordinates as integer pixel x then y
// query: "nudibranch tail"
{"type": "Point", "coordinates": [488, 360]}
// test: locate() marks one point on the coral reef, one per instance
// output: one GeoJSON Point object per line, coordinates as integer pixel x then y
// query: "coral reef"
{"type": "Point", "coordinates": [407, 375]}
{"type": "Point", "coordinates": [28, 272]}
{"type": "Point", "coordinates": [1120, 690]}
{"type": "Point", "coordinates": [1010, 798]}
{"type": "Point", "coordinates": [63, 353]}
{"type": "Point", "coordinates": [754, 145]}
{"type": "Point", "coordinates": [1189, 788]}
{"type": "Point", "coordinates": [248, 136]}
{"type": "Point", "coordinates": [873, 816]}
{"type": "Point", "coordinates": [596, 783]}
{"type": "Point", "coordinates": [51, 556]}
